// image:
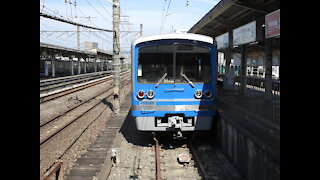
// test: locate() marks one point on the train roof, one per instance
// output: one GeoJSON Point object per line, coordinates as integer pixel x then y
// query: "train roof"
{"type": "Point", "coordinates": [189, 36]}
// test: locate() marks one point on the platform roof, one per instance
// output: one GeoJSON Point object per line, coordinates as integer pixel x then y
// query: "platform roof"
{"type": "Point", "coordinates": [230, 14]}
{"type": "Point", "coordinates": [65, 51]}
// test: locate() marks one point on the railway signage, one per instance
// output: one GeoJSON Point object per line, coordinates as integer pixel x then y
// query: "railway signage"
{"type": "Point", "coordinates": [222, 41]}
{"type": "Point", "coordinates": [272, 24]}
{"type": "Point", "coordinates": [244, 34]}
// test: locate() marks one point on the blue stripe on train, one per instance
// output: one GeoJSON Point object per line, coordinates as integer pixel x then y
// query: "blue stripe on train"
{"type": "Point", "coordinates": [162, 113]}
{"type": "Point", "coordinates": [134, 102]}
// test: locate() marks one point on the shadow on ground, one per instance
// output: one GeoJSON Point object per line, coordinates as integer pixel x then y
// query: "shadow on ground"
{"type": "Point", "coordinates": [142, 138]}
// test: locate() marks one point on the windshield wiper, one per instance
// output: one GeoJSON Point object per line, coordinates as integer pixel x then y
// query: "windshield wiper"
{"type": "Point", "coordinates": [188, 80]}
{"type": "Point", "coordinates": [160, 80]}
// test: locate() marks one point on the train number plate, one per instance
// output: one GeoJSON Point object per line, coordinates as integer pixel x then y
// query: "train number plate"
{"type": "Point", "coordinates": [148, 105]}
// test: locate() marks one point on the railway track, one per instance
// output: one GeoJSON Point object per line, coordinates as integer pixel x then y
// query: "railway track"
{"type": "Point", "coordinates": [60, 132]}
{"type": "Point", "coordinates": [174, 160]}
{"type": "Point", "coordinates": [193, 158]}
{"type": "Point", "coordinates": [164, 158]}
{"type": "Point", "coordinates": [62, 92]}
{"type": "Point", "coordinates": [57, 83]}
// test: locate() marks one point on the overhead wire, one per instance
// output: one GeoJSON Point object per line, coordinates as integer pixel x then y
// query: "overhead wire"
{"type": "Point", "coordinates": [93, 22]}
{"type": "Point", "coordinates": [165, 17]}
{"type": "Point", "coordinates": [105, 8]}
{"type": "Point", "coordinates": [44, 1]}
{"type": "Point", "coordinates": [100, 36]}
{"type": "Point", "coordinates": [163, 10]}
{"type": "Point", "coordinates": [53, 12]}
{"type": "Point", "coordinates": [98, 11]}
{"type": "Point", "coordinates": [71, 22]}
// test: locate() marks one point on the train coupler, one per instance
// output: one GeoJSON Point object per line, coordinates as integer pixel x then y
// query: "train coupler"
{"type": "Point", "coordinates": [175, 121]}
{"type": "Point", "coordinates": [178, 135]}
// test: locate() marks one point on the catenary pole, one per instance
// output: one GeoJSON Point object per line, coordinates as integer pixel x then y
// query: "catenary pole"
{"type": "Point", "coordinates": [116, 56]}
{"type": "Point", "coordinates": [141, 30]}
{"type": "Point", "coordinates": [78, 37]}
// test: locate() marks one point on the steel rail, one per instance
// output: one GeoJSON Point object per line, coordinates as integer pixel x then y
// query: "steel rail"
{"type": "Point", "coordinates": [68, 79]}
{"type": "Point", "coordinates": [63, 92]}
{"type": "Point", "coordinates": [52, 119]}
{"type": "Point", "coordinates": [157, 158]}
{"type": "Point", "coordinates": [196, 159]}
{"type": "Point", "coordinates": [66, 125]}
{"type": "Point", "coordinates": [55, 168]}
{"type": "Point", "coordinates": [73, 76]}
{"type": "Point", "coordinates": [51, 81]}
{"type": "Point", "coordinates": [75, 140]}
{"type": "Point", "coordinates": [71, 90]}
{"type": "Point", "coordinates": [69, 82]}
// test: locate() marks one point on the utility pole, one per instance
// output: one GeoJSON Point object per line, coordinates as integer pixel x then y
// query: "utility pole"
{"type": "Point", "coordinates": [141, 30]}
{"type": "Point", "coordinates": [78, 37]}
{"type": "Point", "coordinates": [116, 56]}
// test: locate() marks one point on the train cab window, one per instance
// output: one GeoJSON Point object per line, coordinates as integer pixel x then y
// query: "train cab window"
{"type": "Point", "coordinates": [174, 63]}
{"type": "Point", "coordinates": [194, 62]}
{"type": "Point", "coordinates": [154, 62]}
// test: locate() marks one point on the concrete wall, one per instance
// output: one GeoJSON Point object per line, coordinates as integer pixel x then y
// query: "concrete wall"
{"type": "Point", "coordinates": [250, 156]}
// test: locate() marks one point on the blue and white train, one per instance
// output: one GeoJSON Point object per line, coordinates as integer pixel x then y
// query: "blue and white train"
{"type": "Point", "coordinates": [173, 82]}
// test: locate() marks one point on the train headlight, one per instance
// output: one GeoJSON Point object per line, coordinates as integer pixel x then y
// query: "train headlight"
{"type": "Point", "coordinates": [198, 94]}
{"type": "Point", "coordinates": [140, 94]}
{"type": "Point", "coordinates": [150, 94]}
{"type": "Point", "coordinates": [208, 93]}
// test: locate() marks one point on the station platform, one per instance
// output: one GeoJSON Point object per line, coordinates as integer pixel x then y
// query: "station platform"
{"type": "Point", "coordinates": [254, 104]}
{"type": "Point", "coordinates": [96, 162]}
{"type": "Point", "coordinates": [246, 135]}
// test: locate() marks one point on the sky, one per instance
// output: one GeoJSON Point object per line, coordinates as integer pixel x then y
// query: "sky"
{"type": "Point", "coordinates": [154, 15]}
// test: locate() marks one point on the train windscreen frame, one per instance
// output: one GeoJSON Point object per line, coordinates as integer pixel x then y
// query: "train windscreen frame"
{"type": "Point", "coordinates": [176, 63]}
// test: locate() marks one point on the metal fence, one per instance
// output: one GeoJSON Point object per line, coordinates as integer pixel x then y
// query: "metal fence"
{"type": "Point", "coordinates": [260, 98]}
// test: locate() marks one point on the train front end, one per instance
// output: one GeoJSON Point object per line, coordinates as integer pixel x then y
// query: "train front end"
{"type": "Point", "coordinates": [173, 85]}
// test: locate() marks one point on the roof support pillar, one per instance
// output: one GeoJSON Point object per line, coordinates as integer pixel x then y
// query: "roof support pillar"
{"type": "Point", "coordinates": [228, 80]}
{"type": "Point", "coordinates": [53, 68]}
{"type": "Point", "coordinates": [85, 65]}
{"type": "Point", "coordinates": [46, 69]}
{"type": "Point", "coordinates": [101, 65]}
{"type": "Point", "coordinates": [268, 65]}
{"type": "Point", "coordinates": [79, 65]}
{"type": "Point", "coordinates": [243, 72]}
{"type": "Point", "coordinates": [53, 65]}
{"type": "Point", "coordinates": [95, 64]}
{"type": "Point", "coordinates": [72, 71]}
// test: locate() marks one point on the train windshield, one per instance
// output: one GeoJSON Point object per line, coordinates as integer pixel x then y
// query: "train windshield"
{"type": "Point", "coordinates": [178, 63]}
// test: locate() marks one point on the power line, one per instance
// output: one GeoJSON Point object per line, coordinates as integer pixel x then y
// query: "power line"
{"type": "Point", "coordinates": [105, 8]}
{"type": "Point", "coordinates": [98, 34]}
{"type": "Point", "coordinates": [165, 16]}
{"type": "Point", "coordinates": [73, 23]}
{"type": "Point", "coordinates": [56, 12]}
{"type": "Point", "coordinates": [98, 11]}
{"type": "Point", "coordinates": [162, 17]}
{"type": "Point", "coordinates": [85, 15]}
{"type": "Point", "coordinates": [43, 5]}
